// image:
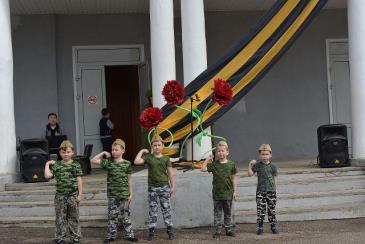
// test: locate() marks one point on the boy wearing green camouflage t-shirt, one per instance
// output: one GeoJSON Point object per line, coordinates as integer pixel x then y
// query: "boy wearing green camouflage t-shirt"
{"type": "Point", "coordinates": [119, 189]}
{"type": "Point", "coordinates": [161, 185]}
{"type": "Point", "coordinates": [267, 182]}
{"type": "Point", "coordinates": [68, 193]}
{"type": "Point", "coordinates": [224, 187]}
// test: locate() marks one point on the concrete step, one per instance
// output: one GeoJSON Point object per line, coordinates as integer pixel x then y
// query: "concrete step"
{"type": "Point", "coordinates": [330, 211]}
{"type": "Point", "coordinates": [49, 221]}
{"type": "Point", "coordinates": [286, 174]}
{"type": "Point", "coordinates": [307, 199]}
{"type": "Point", "coordinates": [46, 208]}
{"type": "Point", "coordinates": [310, 184]}
{"type": "Point", "coordinates": [47, 195]}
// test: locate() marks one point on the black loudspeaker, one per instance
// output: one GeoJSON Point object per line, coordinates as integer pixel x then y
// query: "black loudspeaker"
{"type": "Point", "coordinates": [33, 158]}
{"type": "Point", "coordinates": [333, 146]}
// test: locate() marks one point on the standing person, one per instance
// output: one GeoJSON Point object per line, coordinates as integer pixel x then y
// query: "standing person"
{"type": "Point", "coordinates": [106, 128]}
{"type": "Point", "coordinates": [266, 187]}
{"type": "Point", "coordinates": [52, 128]}
{"type": "Point", "coordinates": [161, 185]}
{"type": "Point", "coordinates": [119, 189]}
{"type": "Point", "coordinates": [224, 187]}
{"type": "Point", "coordinates": [68, 193]}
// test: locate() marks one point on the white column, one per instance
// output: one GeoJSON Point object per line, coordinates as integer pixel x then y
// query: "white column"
{"type": "Point", "coordinates": [162, 47]}
{"type": "Point", "coordinates": [7, 122]}
{"type": "Point", "coordinates": [194, 57]}
{"type": "Point", "coordinates": [356, 30]}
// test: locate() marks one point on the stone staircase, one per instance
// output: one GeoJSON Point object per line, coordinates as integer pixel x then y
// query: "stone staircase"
{"type": "Point", "coordinates": [31, 204]}
{"type": "Point", "coordinates": [303, 194]}
{"type": "Point", "coordinates": [309, 194]}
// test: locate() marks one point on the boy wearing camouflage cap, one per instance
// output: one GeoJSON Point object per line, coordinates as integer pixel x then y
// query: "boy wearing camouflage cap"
{"type": "Point", "coordinates": [266, 187]}
{"type": "Point", "coordinates": [224, 187]}
{"type": "Point", "coordinates": [119, 189]}
{"type": "Point", "coordinates": [68, 193]}
{"type": "Point", "coordinates": [161, 185]}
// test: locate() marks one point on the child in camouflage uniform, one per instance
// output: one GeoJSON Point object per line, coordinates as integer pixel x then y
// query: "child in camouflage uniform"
{"type": "Point", "coordinates": [161, 185]}
{"type": "Point", "coordinates": [266, 187]}
{"type": "Point", "coordinates": [68, 193]}
{"type": "Point", "coordinates": [119, 189]}
{"type": "Point", "coordinates": [224, 187]}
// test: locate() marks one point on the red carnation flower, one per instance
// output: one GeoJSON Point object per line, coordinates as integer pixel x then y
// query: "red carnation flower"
{"type": "Point", "coordinates": [150, 117]}
{"type": "Point", "coordinates": [222, 92]}
{"type": "Point", "coordinates": [173, 92]}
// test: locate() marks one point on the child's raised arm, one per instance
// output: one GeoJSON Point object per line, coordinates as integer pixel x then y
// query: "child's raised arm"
{"type": "Point", "coordinates": [139, 160]}
{"type": "Point", "coordinates": [173, 160]}
{"type": "Point", "coordinates": [250, 165]}
{"type": "Point", "coordinates": [47, 172]}
{"type": "Point", "coordinates": [206, 161]}
{"type": "Point", "coordinates": [97, 158]}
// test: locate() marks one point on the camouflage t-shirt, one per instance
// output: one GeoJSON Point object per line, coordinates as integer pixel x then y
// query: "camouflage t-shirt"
{"type": "Point", "coordinates": [266, 176]}
{"type": "Point", "coordinates": [222, 179]}
{"type": "Point", "coordinates": [157, 170]}
{"type": "Point", "coordinates": [65, 175]}
{"type": "Point", "coordinates": [117, 180]}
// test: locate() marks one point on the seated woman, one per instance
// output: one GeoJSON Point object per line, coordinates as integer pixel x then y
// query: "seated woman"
{"type": "Point", "coordinates": [52, 128]}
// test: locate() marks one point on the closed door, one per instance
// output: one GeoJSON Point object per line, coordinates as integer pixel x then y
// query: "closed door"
{"type": "Point", "coordinates": [91, 100]}
{"type": "Point", "coordinates": [340, 93]}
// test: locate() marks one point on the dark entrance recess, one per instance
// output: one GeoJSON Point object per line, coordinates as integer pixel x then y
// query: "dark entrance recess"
{"type": "Point", "coordinates": [122, 98]}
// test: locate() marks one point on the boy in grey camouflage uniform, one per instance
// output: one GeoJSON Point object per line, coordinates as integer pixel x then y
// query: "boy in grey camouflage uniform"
{"type": "Point", "coordinates": [266, 187]}
{"type": "Point", "coordinates": [68, 193]}
{"type": "Point", "coordinates": [119, 190]}
{"type": "Point", "coordinates": [161, 185]}
{"type": "Point", "coordinates": [224, 187]}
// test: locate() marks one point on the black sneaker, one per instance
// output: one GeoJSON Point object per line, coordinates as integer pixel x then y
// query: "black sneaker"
{"type": "Point", "coordinates": [151, 234]}
{"type": "Point", "coordinates": [230, 233]}
{"type": "Point", "coordinates": [132, 239]}
{"type": "Point", "coordinates": [170, 232]}
{"type": "Point", "coordinates": [59, 241]}
{"type": "Point", "coordinates": [274, 230]}
{"type": "Point", "coordinates": [216, 235]}
{"type": "Point", "coordinates": [260, 231]}
{"type": "Point", "coordinates": [75, 241]}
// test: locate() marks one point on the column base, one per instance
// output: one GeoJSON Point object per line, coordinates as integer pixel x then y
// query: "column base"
{"type": "Point", "coordinates": [357, 162]}
{"type": "Point", "coordinates": [8, 178]}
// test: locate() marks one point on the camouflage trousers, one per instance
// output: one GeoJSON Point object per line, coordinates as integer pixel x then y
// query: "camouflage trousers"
{"type": "Point", "coordinates": [67, 217]}
{"type": "Point", "coordinates": [263, 200]}
{"type": "Point", "coordinates": [222, 207]}
{"type": "Point", "coordinates": [161, 194]}
{"type": "Point", "coordinates": [118, 212]}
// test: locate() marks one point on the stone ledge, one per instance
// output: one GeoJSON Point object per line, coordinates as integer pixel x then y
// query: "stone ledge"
{"type": "Point", "coordinates": [357, 162]}
{"type": "Point", "coordinates": [8, 178]}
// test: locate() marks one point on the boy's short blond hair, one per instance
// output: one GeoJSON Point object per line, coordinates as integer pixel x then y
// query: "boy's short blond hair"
{"type": "Point", "coordinates": [66, 144]}
{"type": "Point", "coordinates": [265, 147]}
{"type": "Point", "coordinates": [119, 142]}
{"type": "Point", "coordinates": [222, 144]}
{"type": "Point", "coordinates": [156, 139]}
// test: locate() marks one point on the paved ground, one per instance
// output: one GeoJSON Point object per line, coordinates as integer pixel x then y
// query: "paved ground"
{"type": "Point", "coordinates": [321, 232]}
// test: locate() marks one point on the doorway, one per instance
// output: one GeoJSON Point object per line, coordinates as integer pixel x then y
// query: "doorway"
{"type": "Point", "coordinates": [108, 76]}
{"type": "Point", "coordinates": [339, 85]}
{"type": "Point", "coordinates": [122, 100]}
